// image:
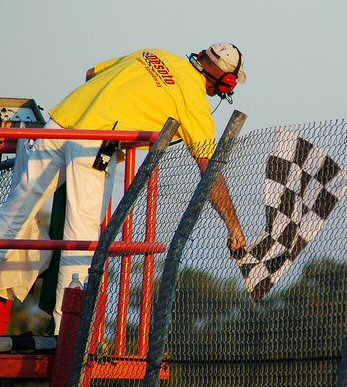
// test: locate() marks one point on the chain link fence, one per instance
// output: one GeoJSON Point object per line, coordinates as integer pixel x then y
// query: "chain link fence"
{"type": "Point", "coordinates": [293, 333]}
{"type": "Point", "coordinates": [6, 173]}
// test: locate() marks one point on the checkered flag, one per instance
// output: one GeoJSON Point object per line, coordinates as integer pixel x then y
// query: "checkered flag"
{"type": "Point", "coordinates": [302, 187]}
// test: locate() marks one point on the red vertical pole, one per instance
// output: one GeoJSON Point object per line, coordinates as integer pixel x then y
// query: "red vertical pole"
{"type": "Point", "coordinates": [5, 315]}
{"type": "Point", "coordinates": [101, 312]}
{"type": "Point", "coordinates": [100, 318]}
{"type": "Point", "coordinates": [125, 273]}
{"type": "Point", "coordinates": [148, 270]}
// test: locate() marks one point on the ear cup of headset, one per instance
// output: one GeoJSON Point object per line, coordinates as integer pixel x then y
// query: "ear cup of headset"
{"type": "Point", "coordinates": [223, 85]}
{"type": "Point", "coordinates": [226, 83]}
{"type": "Point", "coordinates": [201, 54]}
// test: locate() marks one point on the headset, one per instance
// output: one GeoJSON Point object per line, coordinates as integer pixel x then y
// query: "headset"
{"type": "Point", "coordinates": [223, 85]}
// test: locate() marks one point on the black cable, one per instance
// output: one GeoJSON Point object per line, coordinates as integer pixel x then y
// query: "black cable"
{"type": "Point", "coordinates": [220, 101]}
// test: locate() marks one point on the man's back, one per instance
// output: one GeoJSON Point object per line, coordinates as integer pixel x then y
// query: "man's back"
{"type": "Point", "coordinates": [140, 91]}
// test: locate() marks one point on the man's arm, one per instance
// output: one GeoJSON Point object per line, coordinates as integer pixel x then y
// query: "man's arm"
{"type": "Point", "coordinates": [221, 200]}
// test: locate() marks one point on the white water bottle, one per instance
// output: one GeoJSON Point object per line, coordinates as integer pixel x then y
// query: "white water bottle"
{"type": "Point", "coordinates": [75, 283]}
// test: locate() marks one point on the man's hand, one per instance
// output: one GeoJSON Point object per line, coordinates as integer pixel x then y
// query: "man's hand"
{"type": "Point", "coordinates": [237, 240]}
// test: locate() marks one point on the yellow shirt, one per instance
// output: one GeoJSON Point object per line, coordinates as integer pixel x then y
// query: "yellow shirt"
{"type": "Point", "coordinates": [141, 91]}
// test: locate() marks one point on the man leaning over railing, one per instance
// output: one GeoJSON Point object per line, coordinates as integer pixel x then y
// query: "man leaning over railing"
{"type": "Point", "coordinates": [138, 92]}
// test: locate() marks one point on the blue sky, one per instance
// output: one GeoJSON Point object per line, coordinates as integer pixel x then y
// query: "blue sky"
{"type": "Point", "coordinates": [295, 50]}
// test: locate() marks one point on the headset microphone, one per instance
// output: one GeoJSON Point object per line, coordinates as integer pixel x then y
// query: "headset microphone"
{"type": "Point", "coordinates": [223, 85]}
{"type": "Point", "coordinates": [227, 96]}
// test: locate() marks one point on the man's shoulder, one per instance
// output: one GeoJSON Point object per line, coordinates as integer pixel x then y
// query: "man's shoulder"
{"type": "Point", "coordinates": [160, 52]}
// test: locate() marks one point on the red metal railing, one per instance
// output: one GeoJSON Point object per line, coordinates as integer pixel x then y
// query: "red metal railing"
{"type": "Point", "coordinates": [77, 134]}
{"type": "Point", "coordinates": [126, 248]}
{"type": "Point", "coordinates": [101, 310]}
{"type": "Point", "coordinates": [118, 248]}
{"type": "Point", "coordinates": [125, 274]}
{"type": "Point", "coordinates": [148, 266]}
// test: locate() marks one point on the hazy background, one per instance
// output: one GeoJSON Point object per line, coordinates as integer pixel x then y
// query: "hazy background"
{"type": "Point", "coordinates": [295, 51]}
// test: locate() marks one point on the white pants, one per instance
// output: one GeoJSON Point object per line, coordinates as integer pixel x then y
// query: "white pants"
{"type": "Point", "coordinates": [50, 163]}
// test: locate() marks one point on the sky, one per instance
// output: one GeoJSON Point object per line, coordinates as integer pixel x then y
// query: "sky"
{"type": "Point", "coordinates": [295, 51]}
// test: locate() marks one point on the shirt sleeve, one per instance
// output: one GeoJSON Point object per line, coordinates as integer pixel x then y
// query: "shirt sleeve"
{"type": "Point", "coordinates": [197, 130]}
{"type": "Point", "coordinates": [100, 67]}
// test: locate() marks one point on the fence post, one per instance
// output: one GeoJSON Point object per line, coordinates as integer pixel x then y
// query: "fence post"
{"type": "Point", "coordinates": [72, 312]}
{"type": "Point", "coordinates": [102, 252]}
{"type": "Point", "coordinates": [163, 308]}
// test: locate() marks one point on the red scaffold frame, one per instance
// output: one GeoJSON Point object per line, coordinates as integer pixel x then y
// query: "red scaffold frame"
{"type": "Point", "coordinates": [126, 368]}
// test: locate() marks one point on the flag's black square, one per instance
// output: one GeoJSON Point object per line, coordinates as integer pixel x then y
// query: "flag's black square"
{"type": "Point", "coordinates": [328, 170]}
{"type": "Point", "coordinates": [302, 151]}
{"type": "Point", "coordinates": [298, 247]}
{"type": "Point", "coordinates": [305, 179]}
{"type": "Point", "coordinates": [276, 263]}
{"type": "Point", "coordinates": [288, 199]}
{"type": "Point", "coordinates": [277, 169]}
{"type": "Point", "coordinates": [260, 249]}
{"type": "Point", "coordinates": [288, 235]}
{"type": "Point", "coordinates": [270, 214]}
{"type": "Point", "coordinates": [324, 204]}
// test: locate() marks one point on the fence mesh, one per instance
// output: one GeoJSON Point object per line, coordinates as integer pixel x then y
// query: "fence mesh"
{"type": "Point", "coordinates": [218, 336]}
{"type": "Point", "coordinates": [6, 173]}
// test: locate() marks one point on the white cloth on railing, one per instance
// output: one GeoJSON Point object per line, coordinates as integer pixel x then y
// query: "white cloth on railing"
{"type": "Point", "coordinates": [51, 162]}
